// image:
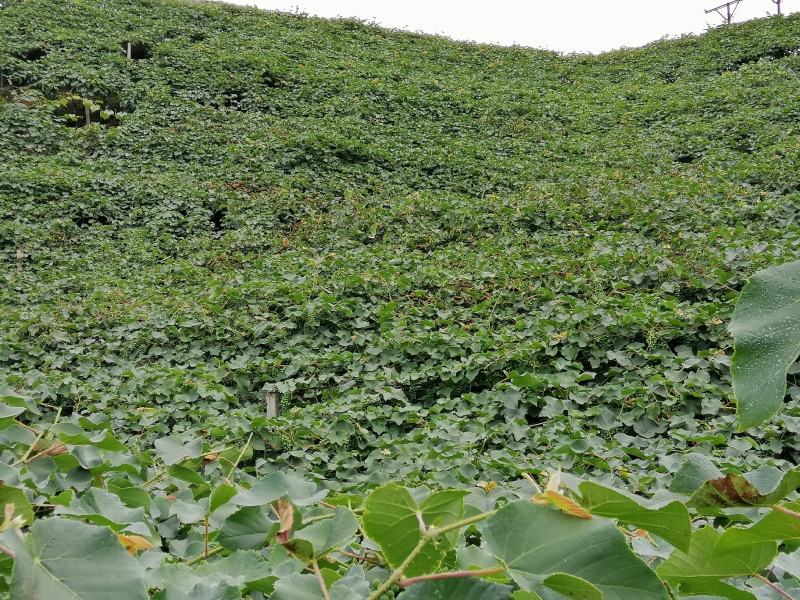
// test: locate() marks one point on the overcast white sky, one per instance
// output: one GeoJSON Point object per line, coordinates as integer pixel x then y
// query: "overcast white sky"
{"type": "Point", "coordinates": [563, 25]}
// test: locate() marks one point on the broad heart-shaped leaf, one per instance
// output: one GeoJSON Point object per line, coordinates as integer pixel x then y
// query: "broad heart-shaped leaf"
{"type": "Point", "coordinates": [694, 472]}
{"type": "Point", "coordinates": [536, 542]}
{"type": "Point", "coordinates": [246, 529]}
{"type": "Point", "coordinates": [330, 534]}
{"type": "Point", "coordinates": [766, 332]}
{"type": "Point", "coordinates": [306, 587]}
{"type": "Point", "coordinates": [776, 526]}
{"type": "Point", "coordinates": [68, 560]}
{"type": "Point", "coordinates": [279, 485]}
{"type": "Point", "coordinates": [173, 450]}
{"type": "Point", "coordinates": [457, 589]}
{"type": "Point", "coordinates": [442, 508]}
{"type": "Point", "coordinates": [670, 522]}
{"type": "Point", "coordinates": [763, 487]}
{"type": "Point", "coordinates": [219, 579]}
{"type": "Point", "coordinates": [709, 559]}
{"type": "Point", "coordinates": [220, 496]}
{"type": "Point", "coordinates": [203, 591]}
{"type": "Point", "coordinates": [390, 518]}
{"type": "Point", "coordinates": [105, 508]}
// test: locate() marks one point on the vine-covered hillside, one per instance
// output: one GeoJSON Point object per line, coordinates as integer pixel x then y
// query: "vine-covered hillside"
{"type": "Point", "coordinates": [446, 260]}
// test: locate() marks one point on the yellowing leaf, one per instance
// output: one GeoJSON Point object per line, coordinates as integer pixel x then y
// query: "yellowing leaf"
{"type": "Point", "coordinates": [134, 543]}
{"type": "Point", "coordinates": [561, 502]}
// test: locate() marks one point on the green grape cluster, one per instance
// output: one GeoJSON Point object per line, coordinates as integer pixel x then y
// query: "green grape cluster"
{"type": "Point", "coordinates": [389, 594]}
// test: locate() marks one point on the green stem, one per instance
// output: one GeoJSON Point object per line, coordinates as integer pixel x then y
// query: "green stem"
{"type": "Point", "coordinates": [437, 531]}
{"type": "Point", "coordinates": [404, 583]}
{"type": "Point", "coordinates": [430, 534]}
{"type": "Point", "coordinates": [321, 581]}
{"type": "Point", "coordinates": [39, 437]}
{"type": "Point", "coordinates": [398, 572]}
{"type": "Point", "coordinates": [203, 555]}
{"type": "Point", "coordinates": [318, 518]}
{"type": "Point", "coordinates": [238, 458]}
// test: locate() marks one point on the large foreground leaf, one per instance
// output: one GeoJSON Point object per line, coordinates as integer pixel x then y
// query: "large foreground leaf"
{"type": "Point", "coordinates": [69, 560]}
{"type": "Point", "coordinates": [391, 520]}
{"type": "Point", "coordinates": [711, 556]}
{"type": "Point", "coordinates": [670, 522]}
{"type": "Point", "coordinates": [766, 331]}
{"type": "Point", "coordinates": [544, 549]}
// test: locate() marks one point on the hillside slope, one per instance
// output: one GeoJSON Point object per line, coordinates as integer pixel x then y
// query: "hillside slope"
{"type": "Point", "coordinates": [456, 259]}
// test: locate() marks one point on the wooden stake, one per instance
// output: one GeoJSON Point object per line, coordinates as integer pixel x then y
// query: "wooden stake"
{"type": "Point", "coordinates": [272, 404]}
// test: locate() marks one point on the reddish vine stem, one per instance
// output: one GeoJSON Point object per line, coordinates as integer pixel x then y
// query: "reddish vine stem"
{"type": "Point", "coordinates": [404, 583]}
{"type": "Point", "coordinates": [321, 580]}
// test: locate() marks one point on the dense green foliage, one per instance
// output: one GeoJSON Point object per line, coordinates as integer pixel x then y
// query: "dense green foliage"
{"type": "Point", "coordinates": [440, 255]}
{"type": "Point", "coordinates": [452, 264]}
{"type": "Point", "coordinates": [197, 523]}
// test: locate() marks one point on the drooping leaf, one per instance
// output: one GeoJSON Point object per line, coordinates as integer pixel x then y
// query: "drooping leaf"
{"type": "Point", "coordinates": [330, 534]}
{"type": "Point", "coordinates": [707, 559]}
{"type": "Point", "coordinates": [220, 496]}
{"type": "Point", "coordinates": [105, 508]}
{"type": "Point", "coordinates": [766, 331]}
{"type": "Point", "coordinates": [670, 522]}
{"type": "Point", "coordinates": [246, 529]}
{"type": "Point", "coordinates": [173, 450]}
{"type": "Point", "coordinates": [278, 485]}
{"type": "Point", "coordinates": [776, 526]}
{"type": "Point", "coordinates": [68, 560]}
{"type": "Point", "coordinates": [695, 471]}
{"type": "Point", "coordinates": [535, 542]}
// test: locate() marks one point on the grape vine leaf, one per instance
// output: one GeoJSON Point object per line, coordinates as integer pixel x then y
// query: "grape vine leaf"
{"type": "Point", "coordinates": [535, 542]}
{"type": "Point", "coordinates": [766, 332]}
{"type": "Point", "coordinates": [670, 522]}
{"type": "Point", "coordinates": [709, 559]}
{"type": "Point", "coordinates": [278, 485]}
{"type": "Point", "coordinates": [69, 560]}
{"type": "Point", "coordinates": [330, 534]}
{"type": "Point", "coordinates": [246, 529]}
{"type": "Point", "coordinates": [390, 519]}
{"type": "Point", "coordinates": [306, 587]}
